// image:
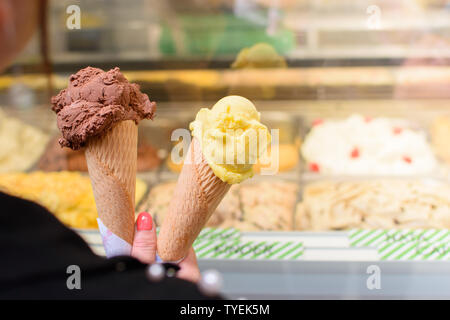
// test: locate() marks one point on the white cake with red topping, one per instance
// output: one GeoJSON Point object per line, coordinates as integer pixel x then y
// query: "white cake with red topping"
{"type": "Point", "coordinates": [367, 146]}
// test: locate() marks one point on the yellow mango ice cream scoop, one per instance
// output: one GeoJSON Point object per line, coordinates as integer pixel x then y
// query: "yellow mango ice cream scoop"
{"type": "Point", "coordinates": [231, 137]}
{"type": "Point", "coordinates": [228, 139]}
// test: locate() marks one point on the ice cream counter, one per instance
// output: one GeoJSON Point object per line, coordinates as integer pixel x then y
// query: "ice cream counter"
{"type": "Point", "coordinates": [316, 229]}
{"type": "Point", "coordinates": [325, 265]}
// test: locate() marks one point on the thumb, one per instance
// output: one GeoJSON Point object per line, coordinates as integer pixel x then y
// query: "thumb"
{"type": "Point", "coordinates": [144, 243]}
{"type": "Point", "coordinates": [189, 267]}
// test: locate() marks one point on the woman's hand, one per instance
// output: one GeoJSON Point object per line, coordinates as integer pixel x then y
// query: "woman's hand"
{"type": "Point", "coordinates": [144, 249]}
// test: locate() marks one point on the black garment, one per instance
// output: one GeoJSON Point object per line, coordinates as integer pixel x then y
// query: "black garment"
{"type": "Point", "coordinates": [36, 250]}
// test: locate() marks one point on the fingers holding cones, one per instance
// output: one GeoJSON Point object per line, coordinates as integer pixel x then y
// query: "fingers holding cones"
{"type": "Point", "coordinates": [144, 249]}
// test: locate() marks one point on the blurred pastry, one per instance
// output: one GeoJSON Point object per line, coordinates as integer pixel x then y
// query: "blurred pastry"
{"type": "Point", "coordinates": [362, 145]}
{"type": "Point", "coordinates": [249, 207]}
{"type": "Point", "coordinates": [57, 158]}
{"type": "Point", "coordinates": [288, 158]}
{"type": "Point", "coordinates": [147, 157]}
{"type": "Point", "coordinates": [385, 204]}
{"type": "Point", "coordinates": [260, 55]}
{"type": "Point", "coordinates": [76, 208]}
{"type": "Point", "coordinates": [269, 205]}
{"type": "Point", "coordinates": [21, 144]}
{"type": "Point", "coordinates": [175, 167]}
{"type": "Point", "coordinates": [157, 201]}
{"type": "Point", "coordinates": [440, 135]}
{"type": "Point", "coordinates": [229, 208]}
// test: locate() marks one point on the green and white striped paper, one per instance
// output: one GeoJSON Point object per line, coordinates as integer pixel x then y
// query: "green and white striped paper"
{"type": "Point", "coordinates": [227, 244]}
{"type": "Point", "coordinates": [387, 245]}
{"type": "Point", "coordinates": [405, 244]}
{"type": "Point", "coordinates": [219, 234]}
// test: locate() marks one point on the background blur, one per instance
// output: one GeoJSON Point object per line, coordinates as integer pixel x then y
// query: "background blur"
{"type": "Point", "coordinates": [321, 41]}
{"type": "Point", "coordinates": [360, 94]}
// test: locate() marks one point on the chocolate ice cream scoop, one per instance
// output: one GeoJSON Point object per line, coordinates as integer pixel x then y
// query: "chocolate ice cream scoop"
{"type": "Point", "coordinates": [94, 102]}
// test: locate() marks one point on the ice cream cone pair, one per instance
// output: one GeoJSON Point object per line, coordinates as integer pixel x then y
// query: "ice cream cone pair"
{"type": "Point", "coordinates": [101, 110]}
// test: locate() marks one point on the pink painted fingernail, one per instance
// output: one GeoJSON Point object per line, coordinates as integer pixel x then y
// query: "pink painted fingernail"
{"type": "Point", "coordinates": [144, 221]}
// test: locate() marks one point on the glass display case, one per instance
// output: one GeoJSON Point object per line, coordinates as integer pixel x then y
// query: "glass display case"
{"type": "Point", "coordinates": [357, 91]}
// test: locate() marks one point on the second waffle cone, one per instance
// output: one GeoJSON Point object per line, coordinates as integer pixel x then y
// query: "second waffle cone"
{"type": "Point", "coordinates": [196, 196]}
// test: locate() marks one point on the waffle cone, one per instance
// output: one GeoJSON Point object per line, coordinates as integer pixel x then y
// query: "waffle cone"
{"type": "Point", "coordinates": [197, 194]}
{"type": "Point", "coordinates": [111, 161]}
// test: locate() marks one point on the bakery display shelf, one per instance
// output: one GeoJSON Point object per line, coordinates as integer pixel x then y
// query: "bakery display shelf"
{"type": "Point", "coordinates": [340, 32]}
{"type": "Point", "coordinates": [322, 83]}
{"type": "Point", "coordinates": [299, 115]}
{"type": "Point", "coordinates": [352, 34]}
{"type": "Point", "coordinates": [322, 264]}
{"type": "Point", "coordinates": [239, 207]}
